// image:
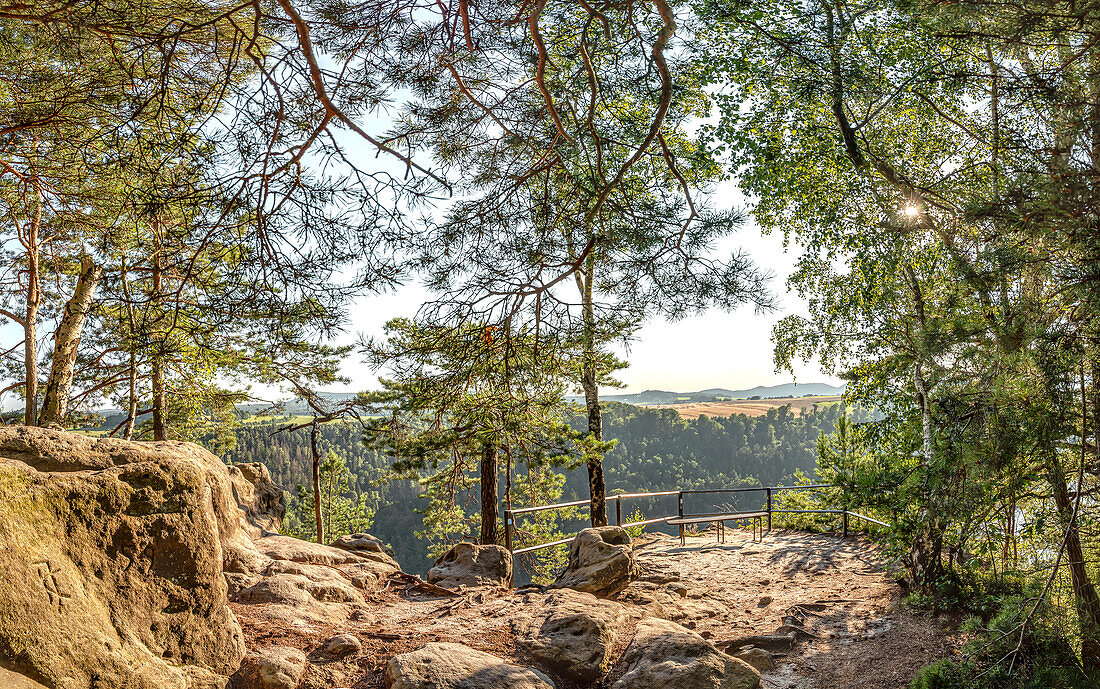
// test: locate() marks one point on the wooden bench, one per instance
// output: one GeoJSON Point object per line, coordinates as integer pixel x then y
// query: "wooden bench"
{"type": "Point", "coordinates": [721, 519]}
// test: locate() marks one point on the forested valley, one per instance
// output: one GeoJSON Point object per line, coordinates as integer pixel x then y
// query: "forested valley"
{"type": "Point", "coordinates": [656, 450]}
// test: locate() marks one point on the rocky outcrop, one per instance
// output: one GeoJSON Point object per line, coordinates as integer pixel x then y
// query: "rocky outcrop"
{"type": "Point", "coordinates": [362, 544]}
{"type": "Point", "coordinates": [366, 572]}
{"type": "Point", "coordinates": [656, 598]}
{"type": "Point", "coordinates": [306, 583]}
{"type": "Point", "coordinates": [454, 666]}
{"type": "Point", "coordinates": [262, 503]}
{"type": "Point", "coordinates": [574, 635]}
{"type": "Point", "coordinates": [672, 601]}
{"type": "Point", "coordinates": [469, 564]}
{"type": "Point", "coordinates": [277, 667]}
{"type": "Point", "coordinates": [776, 643]}
{"type": "Point", "coordinates": [664, 655]}
{"type": "Point", "coordinates": [111, 561]}
{"type": "Point", "coordinates": [601, 562]}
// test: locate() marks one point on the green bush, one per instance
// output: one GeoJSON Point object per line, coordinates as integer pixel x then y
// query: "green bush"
{"type": "Point", "coordinates": [997, 657]}
{"type": "Point", "coordinates": [944, 674]}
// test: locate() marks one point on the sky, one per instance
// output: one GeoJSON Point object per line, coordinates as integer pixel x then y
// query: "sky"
{"type": "Point", "coordinates": [716, 349]}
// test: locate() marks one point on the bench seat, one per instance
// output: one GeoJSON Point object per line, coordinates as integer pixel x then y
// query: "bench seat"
{"type": "Point", "coordinates": [721, 520]}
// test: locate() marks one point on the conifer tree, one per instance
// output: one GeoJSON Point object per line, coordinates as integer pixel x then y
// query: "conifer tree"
{"type": "Point", "coordinates": [461, 400]}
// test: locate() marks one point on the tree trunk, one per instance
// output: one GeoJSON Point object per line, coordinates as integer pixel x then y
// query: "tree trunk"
{"type": "Point", "coordinates": [590, 383]}
{"type": "Point", "coordinates": [488, 494]}
{"type": "Point", "coordinates": [131, 412]}
{"type": "Point", "coordinates": [30, 322]}
{"type": "Point", "coordinates": [66, 342]}
{"type": "Point", "coordinates": [132, 373]}
{"type": "Point", "coordinates": [160, 396]}
{"type": "Point", "coordinates": [316, 453]}
{"type": "Point", "coordinates": [1084, 592]}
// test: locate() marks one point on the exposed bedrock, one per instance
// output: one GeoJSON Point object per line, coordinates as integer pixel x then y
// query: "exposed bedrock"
{"type": "Point", "coordinates": [572, 634]}
{"type": "Point", "coordinates": [111, 560]}
{"type": "Point", "coordinates": [454, 666]}
{"type": "Point", "coordinates": [664, 655]}
{"type": "Point", "coordinates": [117, 559]}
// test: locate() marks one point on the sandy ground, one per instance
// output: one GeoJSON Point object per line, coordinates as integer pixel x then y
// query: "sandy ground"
{"type": "Point", "coordinates": [836, 589]}
{"type": "Point", "coordinates": [693, 410]}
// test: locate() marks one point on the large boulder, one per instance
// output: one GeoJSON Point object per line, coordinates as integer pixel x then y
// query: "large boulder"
{"type": "Point", "coordinates": [574, 635]}
{"type": "Point", "coordinates": [362, 544]}
{"type": "Point", "coordinates": [664, 655]}
{"type": "Point", "coordinates": [469, 564]}
{"type": "Point", "coordinates": [601, 562]}
{"type": "Point", "coordinates": [278, 667]}
{"type": "Point", "coordinates": [111, 562]}
{"type": "Point", "coordinates": [454, 666]}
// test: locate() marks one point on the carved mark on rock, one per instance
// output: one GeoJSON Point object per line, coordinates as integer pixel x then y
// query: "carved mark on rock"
{"type": "Point", "coordinates": [47, 572]}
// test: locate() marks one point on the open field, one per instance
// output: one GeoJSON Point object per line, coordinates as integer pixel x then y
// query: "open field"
{"type": "Point", "coordinates": [693, 410]}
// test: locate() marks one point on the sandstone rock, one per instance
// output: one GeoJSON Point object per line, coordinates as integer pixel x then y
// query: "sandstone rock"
{"type": "Point", "coordinates": [279, 547]}
{"type": "Point", "coordinates": [300, 592]}
{"type": "Point", "coordinates": [366, 572]}
{"type": "Point", "coordinates": [469, 564]}
{"type": "Point", "coordinates": [664, 655]}
{"type": "Point", "coordinates": [454, 666]}
{"type": "Point", "coordinates": [111, 562]}
{"type": "Point", "coordinates": [341, 646]}
{"type": "Point", "coordinates": [360, 543]}
{"type": "Point", "coordinates": [237, 582]}
{"type": "Point", "coordinates": [776, 643]}
{"type": "Point", "coordinates": [798, 632]}
{"type": "Point", "coordinates": [574, 636]}
{"type": "Point", "coordinates": [601, 561]}
{"type": "Point", "coordinates": [285, 589]}
{"type": "Point", "coordinates": [278, 667]}
{"type": "Point", "coordinates": [11, 680]}
{"type": "Point", "coordinates": [656, 571]}
{"type": "Point", "coordinates": [692, 609]}
{"type": "Point", "coordinates": [758, 658]}
{"type": "Point", "coordinates": [262, 503]}
{"type": "Point", "coordinates": [653, 597]}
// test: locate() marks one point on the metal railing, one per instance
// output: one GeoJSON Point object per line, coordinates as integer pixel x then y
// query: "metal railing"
{"type": "Point", "coordinates": [769, 493]}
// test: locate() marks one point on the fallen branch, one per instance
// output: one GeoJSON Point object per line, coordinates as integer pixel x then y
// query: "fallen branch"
{"type": "Point", "coordinates": [418, 583]}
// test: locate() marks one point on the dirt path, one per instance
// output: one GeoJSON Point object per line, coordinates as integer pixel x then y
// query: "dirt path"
{"type": "Point", "coordinates": [837, 590]}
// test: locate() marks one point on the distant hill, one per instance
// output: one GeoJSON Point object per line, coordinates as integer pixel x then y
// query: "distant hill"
{"type": "Point", "coordinates": [652, 397]}
{"type": "Point", "coordinates": [298, 407]}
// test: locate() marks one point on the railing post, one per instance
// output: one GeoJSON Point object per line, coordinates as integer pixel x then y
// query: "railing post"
{"type": "Point", "coordinates": [618, 510]}
{"type": "Point", "coordinates": [680, 512]}
{"type": "Point", "coordinates": [844, 514]}
{"type": "Point", "coordinates": [508, 530]}
{"type": "Point", "coordinates": [769, 507]}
